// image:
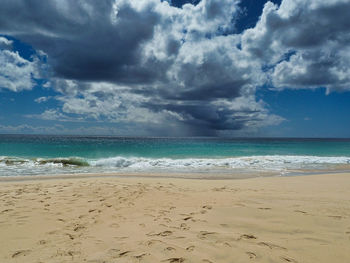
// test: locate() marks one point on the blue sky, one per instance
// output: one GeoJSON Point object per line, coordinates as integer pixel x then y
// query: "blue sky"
{"type": "Point", "coordinates": [182, 68]}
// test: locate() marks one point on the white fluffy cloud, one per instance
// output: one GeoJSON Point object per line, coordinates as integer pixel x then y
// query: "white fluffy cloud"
{"type": "Point", "coordinates": [307, 42]}
{"type": "Point", "coordinates": [42, 99]}
{"type": "Point", "coordinates": [16, 73]}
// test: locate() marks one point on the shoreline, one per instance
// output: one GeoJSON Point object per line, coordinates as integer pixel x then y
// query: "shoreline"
{"type": "Point", "coordinates": [154, 175]}
{"type": "Point", "coordinates": [175, 175]}
{"type": "Point", "coordinates": [161, 219]}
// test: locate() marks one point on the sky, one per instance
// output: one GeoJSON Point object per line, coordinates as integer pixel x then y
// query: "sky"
{"type": "Point", "coordinates": [249, 68]}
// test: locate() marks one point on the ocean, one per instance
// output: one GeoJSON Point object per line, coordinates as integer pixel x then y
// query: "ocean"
{"type": "Point", "coordinates": [28, 155]}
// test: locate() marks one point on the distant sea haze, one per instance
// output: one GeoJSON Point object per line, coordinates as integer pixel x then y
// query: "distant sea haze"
{"type": "Point", "coordinates": [25, 155]}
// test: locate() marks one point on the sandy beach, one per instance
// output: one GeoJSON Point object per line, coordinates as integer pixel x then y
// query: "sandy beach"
{"type": "Point", "coordinates": [109, 219]}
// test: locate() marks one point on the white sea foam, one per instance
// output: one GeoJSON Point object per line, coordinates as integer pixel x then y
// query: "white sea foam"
{"type": "Point", "coordinates": [272, 162]}
{"type": "Point", "coordinates": [10, 166]}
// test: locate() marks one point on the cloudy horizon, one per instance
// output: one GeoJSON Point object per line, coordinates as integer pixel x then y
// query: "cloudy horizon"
{"type": "Point", "coordinates": [175, 68]}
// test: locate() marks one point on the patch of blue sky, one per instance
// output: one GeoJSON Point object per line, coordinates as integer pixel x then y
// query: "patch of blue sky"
{"type": "Point", "coordinates": [308, 113]}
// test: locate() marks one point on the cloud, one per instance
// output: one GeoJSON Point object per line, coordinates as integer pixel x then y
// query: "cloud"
{"type": "Point", "coordinates": [144, 62]}
{"type": "Point", "coordinates": [54, 115]}
{"type": "Point", "coordinates": [151, 65]}
{"type": "Point", "coordinates": [85, 40]}
{"type": "Point", "coordinates": [5, 43]}
{"type": "Point", "coordinates": [42, 99]}
{"type": "Point", "coordinates": [16, 73]}
{"type": "Point", "coordinates": [307, 43]}
{"type": "Point", "coordinates": [115, 104]}
{"type": "Point", "coordinates": [125, 41]}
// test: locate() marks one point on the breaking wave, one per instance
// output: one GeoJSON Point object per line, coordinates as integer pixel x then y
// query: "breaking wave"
{"type": "Point", "coordinates": [11, 166]}
{"type": "Point", "coordinates": [257, 162]}
{"type": "Point", "coordinates": [74, 161]}
{"type": "Point", "coordinates": [21, 166]}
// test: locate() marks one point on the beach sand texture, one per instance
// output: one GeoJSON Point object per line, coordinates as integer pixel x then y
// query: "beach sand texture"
{"type": "Point", "coordinates": [277, 219]}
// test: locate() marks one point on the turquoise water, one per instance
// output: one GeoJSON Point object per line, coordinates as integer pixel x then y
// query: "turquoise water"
{"type": "Point", "coordinates": [102, 147]}
{"type": "Point", "coordinates": [28, 154]}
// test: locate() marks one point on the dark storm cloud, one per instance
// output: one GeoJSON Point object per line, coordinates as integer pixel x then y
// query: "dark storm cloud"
{"type": "Point", "coordinates": [207, 117]}
{"type": "Point", "coordinates": [104, 40]}
{"type": "Point", "coordinates": [80, 38]}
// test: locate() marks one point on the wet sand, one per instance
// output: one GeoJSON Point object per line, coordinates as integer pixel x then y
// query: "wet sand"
{"type": "Point", "coordinates": [107, 219]}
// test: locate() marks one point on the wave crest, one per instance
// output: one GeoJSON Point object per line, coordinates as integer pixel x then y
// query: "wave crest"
{"type": "Point", "coordinates": [72, 161]}
{"type": "Point", "coordinates": [12, 166]}
{"type": "Point", "coordinates": [273, 162]}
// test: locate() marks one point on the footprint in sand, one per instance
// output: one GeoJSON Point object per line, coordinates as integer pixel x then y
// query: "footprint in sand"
{"type": "Point", "coordinates": [6, 210]}
{"type": "Point", "coordinates": [141, 255]}
{"type": "Point", "coordinates": [20, 253]}
{"type": "Point", "coordinates": [204, 234]}
{"type": "Point", "coordinates": [124, 253]}
{"type": "Point", "coordinates": [82, 216]}
{"type": "Point", "coordinates": [190, 248]}
{"type": "Point", "coordinates": [239, 204]}
{"type": "Point", "coordinates": [42, 242]}
{"type": "Point", "coordinates": [247, 236]}
{"type": "Point", "coordinates": [271, 246]}
{"type": "Point", "coordinates": [71, 237]}
{"type": "Point", "coordinates": [153, 242]}
{"type": "Point", "coordinates": [251, 255]}
{"type": "Point", "coordinates": [184, 226]}
{"type": "Point", "coordinates": [288, 259]}
{"type": "Point", "coordinates": [78, 228]}
{"type": "Point", "coordinates": [264, 208]}
{"type": "Point", "coordinates": [163, 234]}
{"type": "Point", "coordinates": [174, 260]}
{"type": "Point", "coordinates": [219, 189]}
